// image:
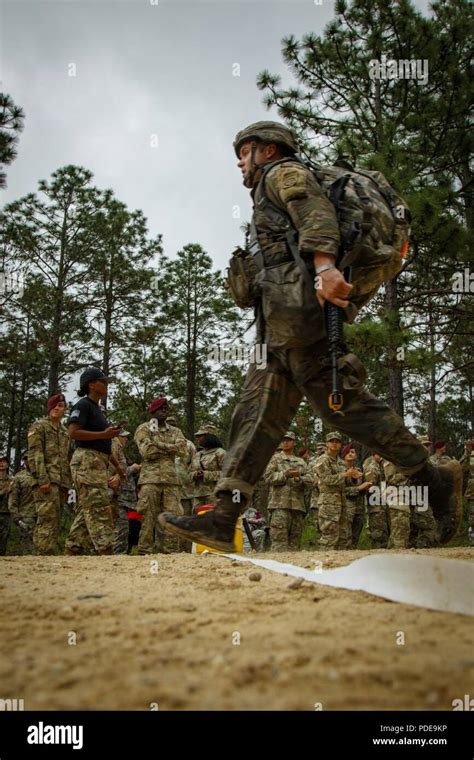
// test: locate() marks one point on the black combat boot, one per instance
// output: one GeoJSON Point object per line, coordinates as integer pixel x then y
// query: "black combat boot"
{"type": "Point", "coordinates": [215, 528]}
{"type": "Point", "coordinates": [444, 495]}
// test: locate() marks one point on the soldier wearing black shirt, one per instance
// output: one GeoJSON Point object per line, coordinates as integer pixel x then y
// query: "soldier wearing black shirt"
{"type": "Point", "coordinates": [92, 530]}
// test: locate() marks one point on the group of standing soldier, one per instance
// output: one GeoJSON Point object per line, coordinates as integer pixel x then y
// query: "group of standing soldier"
{"type": "Point", "coordinates": [329, 490]}
{"type": "Point", "coordinates": [338, 498]}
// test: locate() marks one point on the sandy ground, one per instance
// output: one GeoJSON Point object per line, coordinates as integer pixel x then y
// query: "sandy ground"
{"type": "Point", "coordinates": [165, 636]}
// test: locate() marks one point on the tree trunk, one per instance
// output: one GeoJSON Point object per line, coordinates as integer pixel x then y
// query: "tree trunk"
{"type": "Point", "coordinates": [432, 421]}
{"type": "Point", "coordinates": [395, 379]}
{"type": "Point", "coordinates": [21, 407]}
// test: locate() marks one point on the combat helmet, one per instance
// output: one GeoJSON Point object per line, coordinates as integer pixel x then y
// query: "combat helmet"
{"type": "Point", "coordinates": [267, 132]}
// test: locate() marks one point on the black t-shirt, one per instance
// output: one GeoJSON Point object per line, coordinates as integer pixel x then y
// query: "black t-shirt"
{"type": "Point", "coordinates": [89, 416]}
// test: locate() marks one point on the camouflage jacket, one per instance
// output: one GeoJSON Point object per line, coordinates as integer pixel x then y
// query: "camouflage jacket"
{"type": "Point", "coordinates": [395, 478]}
{"type": "Point", "coordinates": [467, 464]}
{"type": "Point", "coordinates": [127, 495]}
{"type": "Point", "coordinates": [373, 471]}
{"type": "Point", "coordinates": [314, 495]}
{"type": "Point", "coordinates": [352, 492]}
{"type": "Point", "coordinates": [49, 449]}
{"type": "Point", "coordinates": [330, 472]}
{"type": "Point", "coordinates": [288, 200]}
{"type": "Point", "coordinates": [158, 449]}
{"type": "Point", "coordinates": [5, 487]}
{"type": "Point", "coordinates": [210, 462]}
{"type": "Point", "coordinates": [443, 459]}
{"type": "Point", "coordinates": [287, 493]}
{"type": "Point", "coordinates": [291, 187]}
{"type": "Point", "coordinates": [119, 454]}
{"type": "Point", "coordinates": [20, 501]}
{"type": "Point", "coordinates": [183, 467]}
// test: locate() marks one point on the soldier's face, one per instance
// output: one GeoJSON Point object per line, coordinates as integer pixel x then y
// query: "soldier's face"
{"type": "Point", "coordinates": [58, 412]}
{"type": "Point", "coordinates": [350, 456]}
{"type": "Point", "coordinates": [161, 413]}
{"type": "Point", "coordinates": [3, 465]}
{"type": "Point", "coordinates": [288, 444]}
{"type": "Point", "coordinates": [263, 154]}
{"type": "Point", "coordinates": [334, 446]}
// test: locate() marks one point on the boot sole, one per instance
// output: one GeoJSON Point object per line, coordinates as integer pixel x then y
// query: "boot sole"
{"type": "Point", "coordinates": [197, 538]}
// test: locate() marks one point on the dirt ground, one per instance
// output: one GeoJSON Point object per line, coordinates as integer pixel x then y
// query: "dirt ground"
{"type": "Point", "coordinates": [165, 636]}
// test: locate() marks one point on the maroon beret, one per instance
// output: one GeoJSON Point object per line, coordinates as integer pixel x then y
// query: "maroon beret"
{"type": "Point", "coordinates": [54, 400]}
{"type": "Point", "coordinates": [157, 403]}
{"type": "Point", "coordinates": [439, 444]}
{"type": "Point", "coordinates": [346, 449]}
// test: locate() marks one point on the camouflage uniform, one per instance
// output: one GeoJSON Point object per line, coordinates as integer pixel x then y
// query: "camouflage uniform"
{"type": "Point", "coordinates": [398, 509]}
{"type": "Point", "coordinates": [423, 529]}
{"type": "Point", "coordinates": [257, 528]}
{"type": "Point", "coordinates": [48, 461]}
{"type": "Point", "coordinates": [467, 464]}
{"type": "Point", "coordinates": [286, 501]}
{"type": "Point", "coordinates": [126, 502]}
{"type": "Point", "coordinates": [314, 493]}
{"type": "Point", "coordinates": [159, 485]}
{"type": "Point", "coordinates": [119, 455]}
{"type": "Point", "coordinates": [333, 521]}
{"type": "Point", "coordinates": [22, 508]}
{"type": "Point", "coordinates": [5, 516]}
{"type": "Point", "coordinates": [438, 459]}
{"type": "Point", "coordinates": [186, 483]}
{"type": "Point", "coordinates": [355, 510]}
{"type": "Point", "coordinates": [210, 462]}
{"type": "Point", "coordinates": [298, 360]}
{"type": "Point", "coordinates": [92, 530]}
{"type": "Point", "coordinates": [378, 516]}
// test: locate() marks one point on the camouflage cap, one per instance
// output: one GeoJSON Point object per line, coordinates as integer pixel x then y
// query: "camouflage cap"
{"type": "Point", "coordinates": [208, 428]}
{"type": "Point", "coordinates": [291, 435]}
{"type": "Point", "coordinates": [334, 437]}
{"type": "Point", "coordinates": [268, 132]}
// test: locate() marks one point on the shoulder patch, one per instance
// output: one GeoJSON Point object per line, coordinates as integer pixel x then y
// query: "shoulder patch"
{"type": "Point", "coordinates": [75, 413]}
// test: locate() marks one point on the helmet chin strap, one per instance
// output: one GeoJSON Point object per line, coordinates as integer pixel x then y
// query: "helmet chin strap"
{"type": "Point", "coordinates": [251, 178]}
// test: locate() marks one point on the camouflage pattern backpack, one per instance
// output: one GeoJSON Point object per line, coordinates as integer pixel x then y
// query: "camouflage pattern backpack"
{"type": "Point", "coordinates": [374, 223]}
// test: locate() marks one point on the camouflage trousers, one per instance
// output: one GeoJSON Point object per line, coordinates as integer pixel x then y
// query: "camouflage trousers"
{"type": "Point", "coordinates": [270, 398]}
{"type": "Point", "coordinates": [355, 516]}
{"type": "Point", "coordinates": [92, 530]}
{"type": "Point", "coordinates": [379, 528]}
{"type": "Point", "coordinates": [334, 526]}
{"type": "Point", "coordinates": [399, 527]}
{"type": "Point", "coordinates": [48, 517]}
{"type": "Point", "coordinates": [187, 505]}
{"type": "Point", "coordinates": [121, 530]}
{"type": "Point", "coordinates": [5, 522]}
{"type": "Point", "coordinates": [286, 528]}
{"type": "Point", "coordinates": [423, 529]}
{"type": "Point", "coordinates": [152, 500]}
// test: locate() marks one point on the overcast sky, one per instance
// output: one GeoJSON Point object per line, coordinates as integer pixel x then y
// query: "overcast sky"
{"type": "Point", "coordinates": [147, 68]}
